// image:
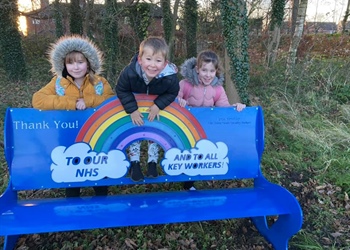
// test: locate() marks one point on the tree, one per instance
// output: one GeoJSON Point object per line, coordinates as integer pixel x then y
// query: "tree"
{"type": "Point", "coordinates": [253, 7]}
{"type": "Point", "coordinates": [10, 41]}
{"type": "Point", "coordinates": [89, 18]}
{"type": "Point", "coordinates": [169, 24]}
{"type": "Point", "coordinates": [140, 18]}
{"type": "Point", "coordinates": [294, 15]}
{"type": "Point", "coordinates": [58, 19]}
{"type": "Point", "coordinates": [277, 15]}
{"type": "Point", "coordinates": [209, 17]}
{"type": "Point", "coordinates": [235, 30]}
{"type": "Point", "coordinates": [345, 20]}
{"type": "Point", "coordinates": [299, 28]}
{"type": "Point", "coordinates": [76, 20]}
{"type": "Point", "coordinates": [190, 22]}
{"type": "Point", "coordinates": [110, 24]}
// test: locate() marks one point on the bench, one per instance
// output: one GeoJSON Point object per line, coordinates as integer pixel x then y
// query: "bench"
{"type": "Point", "coordinates": [60, 149]}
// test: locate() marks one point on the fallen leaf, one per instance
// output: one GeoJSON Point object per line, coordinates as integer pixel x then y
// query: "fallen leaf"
{"type": "Point", "coordinates": [130, 243]}
{"type": "Point", "coordinates": [336, 234]}
{"type": "Point", "coordinates": [296, 184]}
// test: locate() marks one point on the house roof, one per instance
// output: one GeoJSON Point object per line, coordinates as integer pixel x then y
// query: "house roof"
{"type": "Point", "coordinates": [322, 25]}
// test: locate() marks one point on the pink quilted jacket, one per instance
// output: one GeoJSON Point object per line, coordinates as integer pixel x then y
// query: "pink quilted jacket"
{"type": "Point", "coordinates": [198, 95]}
{"type": "Point", "coordinates": [203, 96]}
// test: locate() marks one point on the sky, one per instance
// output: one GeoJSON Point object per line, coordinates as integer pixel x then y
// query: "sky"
{"type": "Point", "coordinates": [326, 10]}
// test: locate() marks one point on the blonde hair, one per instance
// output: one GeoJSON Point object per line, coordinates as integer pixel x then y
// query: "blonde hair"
{"type": "Point", "coordinates": [209, 56]}
{"type": "Point", "coordinates": [75, 56]}
{"type": "Point", "coordinates": [157, 44]}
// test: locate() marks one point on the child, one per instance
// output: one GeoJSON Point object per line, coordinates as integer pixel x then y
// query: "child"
{"type": "Point", "coordinates": [76, 85]}
{"type": "Point", "coordinates": [202, 86]}
{"type": "Point", "coordinates": [148, 72]}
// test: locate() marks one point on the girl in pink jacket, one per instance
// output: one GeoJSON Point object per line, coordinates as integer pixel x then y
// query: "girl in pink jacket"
{"type": "Point", "coordinates": [202, 86]}
{"type": "Point", "coordinates": [202, 83]}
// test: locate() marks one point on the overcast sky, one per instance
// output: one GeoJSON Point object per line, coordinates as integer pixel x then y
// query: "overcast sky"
{"type": "Point", "coordinates": [326, 10]}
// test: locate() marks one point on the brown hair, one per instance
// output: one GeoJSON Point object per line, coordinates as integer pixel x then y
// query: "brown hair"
{"type": "Point", "coordinates": [209, 56]}
{"type": "Point", "coordinates": [157, 44]}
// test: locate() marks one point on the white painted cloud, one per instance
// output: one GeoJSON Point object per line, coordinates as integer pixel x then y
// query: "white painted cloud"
{"type": "Point", "coordinates": [79, 163]}
{"type": "Point", "coordinates": [207, 158]}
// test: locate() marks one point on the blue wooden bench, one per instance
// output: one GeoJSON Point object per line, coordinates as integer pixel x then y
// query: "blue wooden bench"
{"type": "Point", "coordinates": [60, 149]}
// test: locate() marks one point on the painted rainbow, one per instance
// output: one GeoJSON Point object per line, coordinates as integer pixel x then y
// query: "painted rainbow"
{"type": "Point", "coordinates": [110, 127]}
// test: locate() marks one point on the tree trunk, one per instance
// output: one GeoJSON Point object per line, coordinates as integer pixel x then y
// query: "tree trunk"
{"type": "Point", "coordinates": [277, 15]}
{"type": "Point", "coordinates": [345, 20]}
{"type": "Point", "coordinates": [169, 24]}
{"type": "Point", "coordinates": [10, 41]}
{"type": "Point", "coordinates": [76, 20]}
{"type": "Point", "coordinates": [190, 21]}
{"type": "Point", "coordinates": [299, 28]}
{"type": "Point", "coordinates": [89, 18]}
{"type": "Point", "coordinates": [272, 47]}
{"type": "Point", "coordinates": [294, 15]}
{"type": "Point", "coordinates": [235, 30]}
{"type": "Point", "coordinates": [58, 19]}
{"type": "Point", "coordinates": [230, 87]}
{"type": "Point", "coordinates": [110, 24]}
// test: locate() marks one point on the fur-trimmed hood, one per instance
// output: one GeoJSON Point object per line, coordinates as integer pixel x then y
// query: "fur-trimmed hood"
{"type": "Point", "coordinates": [66, 44]}
{"type": "Point", "coordinates": [188, 71]}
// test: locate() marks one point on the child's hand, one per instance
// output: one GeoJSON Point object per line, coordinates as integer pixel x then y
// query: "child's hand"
{"type": "Point", "coordinates": [80, 105]}
{"type": "Point", "coordinates": [182, 102]}
{"type": "Point", "coordinates": [136, 118]}
{"type": "Point", "coordinates": [153, 113]}
{"type": "Point", "coordinates": [239, 106]}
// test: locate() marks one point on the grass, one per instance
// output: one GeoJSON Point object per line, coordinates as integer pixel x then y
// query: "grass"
{"type": "Point", "coordinates": [307, 138]}
{"type": "Point", "coordinates": [307, 144]}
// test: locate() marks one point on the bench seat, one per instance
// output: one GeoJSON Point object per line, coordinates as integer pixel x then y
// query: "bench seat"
{"type": "Point", "coordinates": [33, 216]}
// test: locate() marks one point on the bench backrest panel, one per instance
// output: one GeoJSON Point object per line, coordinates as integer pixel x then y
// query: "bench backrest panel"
{"type": "Point", "coordinates": [53, 149]}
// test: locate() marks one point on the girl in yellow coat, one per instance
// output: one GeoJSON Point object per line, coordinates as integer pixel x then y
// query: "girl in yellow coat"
{"type": "Point", "coordinates": [76, 65]}
{"type": "Point", "coordinates": [76, 85]}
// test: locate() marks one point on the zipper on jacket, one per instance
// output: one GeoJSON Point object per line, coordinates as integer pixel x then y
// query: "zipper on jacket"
{"type": "Point", "coordinates": [147, 89]}
{"type": "Point", "coordinates": [205, 91]}
{"type": "Point", "coordinates": [80, 91]}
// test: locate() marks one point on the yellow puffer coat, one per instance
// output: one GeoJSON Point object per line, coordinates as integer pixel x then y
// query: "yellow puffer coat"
{"type": "Point", "coordinates": [47, 97]}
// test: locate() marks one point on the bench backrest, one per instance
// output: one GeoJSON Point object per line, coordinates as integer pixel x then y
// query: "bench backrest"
{"type": "Point", "coordinates": [55, 149]}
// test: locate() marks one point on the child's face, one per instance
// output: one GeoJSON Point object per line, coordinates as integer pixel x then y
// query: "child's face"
{"type": "Point", "coordinates": [206, 73]}
{"type": "Point", "coordinates": [77, 66]}
{"type": "Point", "coordinates": [151, 63]}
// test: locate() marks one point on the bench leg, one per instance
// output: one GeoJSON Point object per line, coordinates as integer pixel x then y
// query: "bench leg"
{"type": "Point", "coordinates": [279, 233]}
{"type": "Point", "coordinates": [10, 242]}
